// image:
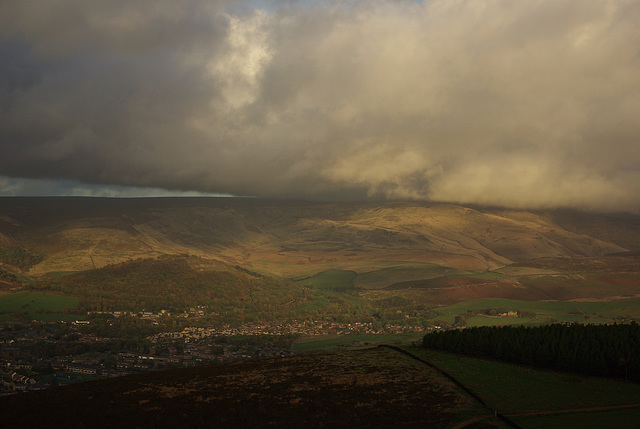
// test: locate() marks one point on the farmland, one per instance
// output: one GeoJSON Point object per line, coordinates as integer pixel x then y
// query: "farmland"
{"type": "Point", "coordinates": [516, 390]}
{"type": "Point", "coordinates": [37, 306]}
{"type": "Point", "coordinates": [539, 312]}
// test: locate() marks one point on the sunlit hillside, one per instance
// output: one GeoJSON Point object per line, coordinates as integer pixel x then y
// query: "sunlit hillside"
{"type": "Point", "coordinates": [432, 254]}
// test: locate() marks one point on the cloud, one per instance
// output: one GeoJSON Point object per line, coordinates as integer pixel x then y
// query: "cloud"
{"type": "Point", "coordinates": [521, 104]}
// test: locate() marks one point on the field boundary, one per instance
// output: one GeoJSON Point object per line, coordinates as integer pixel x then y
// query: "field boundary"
{"type": "Point", "coordinates": [460, 385]}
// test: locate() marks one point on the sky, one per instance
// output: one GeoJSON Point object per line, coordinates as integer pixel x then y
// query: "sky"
{"type": "Point", "coordinates": [522, 104]}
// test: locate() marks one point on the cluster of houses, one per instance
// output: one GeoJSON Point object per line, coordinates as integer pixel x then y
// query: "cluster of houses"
{"type": "Point", "coordinates": [13, 381]}
{"type": "Point", "coordinates": [19, 374]}
{"type": "Point", "coordinates": [303, 328]}
{"type": "Point", "coordinates": [191, 346]}
{"type": "Point", "coordinates": [193, 312]}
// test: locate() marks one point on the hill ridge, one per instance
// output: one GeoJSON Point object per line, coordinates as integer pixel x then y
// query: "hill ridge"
{"type": "Point", "coordinates": [78, 234]}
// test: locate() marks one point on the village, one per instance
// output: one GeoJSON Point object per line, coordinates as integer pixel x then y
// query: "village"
{"type": "Point", "coordinates": [303, 328]}
{"type": "Point", "coordinates": [38, 355]}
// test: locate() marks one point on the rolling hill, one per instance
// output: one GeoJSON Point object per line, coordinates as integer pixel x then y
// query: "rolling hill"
{"type": "Point", "coordinates": [430, 253]}
{"type": "Point", "coordinates": [177, 283]}
{"type": "Point", "coordinates": [81, 233]}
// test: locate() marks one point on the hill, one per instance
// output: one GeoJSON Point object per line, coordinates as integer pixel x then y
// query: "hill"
{"type": "Point", "coordinates": [177, 283]}
{"type": "Point", "coordinates": [373, 387]}
{"type": "Point", "coordinates": [366, 388]}
{"type": "Point", "coordinates": [74, 234]}
{"type": "Point", "coordinates": [429, 254]}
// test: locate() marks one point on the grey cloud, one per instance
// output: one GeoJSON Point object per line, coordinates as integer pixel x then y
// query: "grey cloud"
{"type": "Point", "coordinates": [522, 104]}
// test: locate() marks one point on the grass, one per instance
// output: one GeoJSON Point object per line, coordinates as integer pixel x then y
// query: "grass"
{"type": "Point", "coordinates": [562, 311]}
{"type": "Point", "coordinates": [368, 271]}
{"type": "Point", "coordinates": [331, 284]}
{"type": "Point", "coordinates": [513, 389]}
{"type": "Point", "coordinates": [378, 279]}
{"type": "Point", "coordinates": [330, 279]}
{"type": "Point", "coordinates": [38, 306]}
{"type": "Point", "coordinates": [321, 298]}
{"type": "Point", "coordinates": [282, 269]}
{"type": "Point", "coordinates": [57, 274]}
{"type": "Point", "coordinates": [620, 419]}
{"type": "Point", "coordinates": [524, 271]}
{"type": "Point", "coordinates": [487, 275]}
{"type": "Point", "coordinates": [494, 321]}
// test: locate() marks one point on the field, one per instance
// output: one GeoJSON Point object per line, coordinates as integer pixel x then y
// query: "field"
{"type": "Point", "coordinates": [38, 306]}
{"type": "Point", "coordinates": [330, 280]}
{"type": "Point", "coordinates": [545, 311]}
{"type": "Point", "coordinates": [331, 285]}
{"type": "Point", "coordinates": [618, 418]}
{"type": "Point", "coordinates": [515, 390]}
{"type": "Point", "coordinates": [381, 278]}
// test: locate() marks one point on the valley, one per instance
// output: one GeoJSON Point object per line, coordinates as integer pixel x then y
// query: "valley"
{"type": "Point", "coordinates": [95, 288]}
{"type": "Point", "coordinates": [246, 260]}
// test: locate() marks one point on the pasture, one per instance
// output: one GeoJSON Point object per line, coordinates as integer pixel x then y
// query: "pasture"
{"type": "Point", "coordinates": [331, 285]}
{"type": "Point", "coordinates": [38, 306]}
{"type": "Point", "coordinates": [330, 279]}
{"type": "Point", "coordinates": [381, 278]}
{"type": "Point", "coordinates": [543, 311]}
{"type": "Point", "coordinates": [515, 390]}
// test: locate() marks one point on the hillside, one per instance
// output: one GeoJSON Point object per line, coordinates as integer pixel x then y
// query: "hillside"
{"type": "Point", "coordinates": [290, 238]}
{"type": "Point", "coordinates": [365, 388]}
{"type": "Point", "coordinates": [430, 254]}
{"type": "Point", "coordinates": [361, 388]}
{"type": "Point", "coordinates": [177, 283]}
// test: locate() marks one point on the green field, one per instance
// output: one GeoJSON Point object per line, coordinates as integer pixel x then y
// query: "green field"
{"type": "Point", "coordinates": [545, 311]}
{"type": "Point", "coordinates": [619, 419]}
{"type": "Point", "coordinates": [330, 279]}
{"type": "Point", "coordinates": [512, 389]}
{"type": "Point", "coordinates": [382, 278]}
{"type": "Point", "coordinates": [38, 306]}
{"type": "Point", "coordinates": [487, 275]}
{"type": "Point", "coordinates": [331, 285]}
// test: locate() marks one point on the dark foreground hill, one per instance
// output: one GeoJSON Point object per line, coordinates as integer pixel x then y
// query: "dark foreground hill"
{"type": "Point", "coordinates": [357, 389]}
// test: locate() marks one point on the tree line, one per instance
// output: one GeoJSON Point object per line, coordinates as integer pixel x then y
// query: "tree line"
{"type": "Point", "coordinates": [600, 350]}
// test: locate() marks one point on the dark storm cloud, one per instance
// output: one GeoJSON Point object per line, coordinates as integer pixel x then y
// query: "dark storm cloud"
{"type": "Point", "coordinates": [525, 104]}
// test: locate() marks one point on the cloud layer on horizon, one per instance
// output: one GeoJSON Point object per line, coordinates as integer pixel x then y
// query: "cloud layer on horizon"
{"type": "Point", "coordinates": [522, 104]}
